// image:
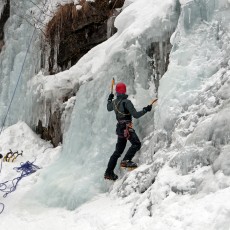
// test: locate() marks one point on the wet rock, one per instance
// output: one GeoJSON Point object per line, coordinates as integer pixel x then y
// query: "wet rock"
{"type": "Point", "coordinates": [3, 18]}
{"type": "Point", "coordinates": [76, 29]}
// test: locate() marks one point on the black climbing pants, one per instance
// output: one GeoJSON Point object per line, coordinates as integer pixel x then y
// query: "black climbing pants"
{"type": "Point", "coordinates": [120, 146]}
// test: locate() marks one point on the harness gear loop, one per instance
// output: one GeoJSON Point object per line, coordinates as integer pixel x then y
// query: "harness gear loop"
{"type": "Point", "coordinates": [128, 127]}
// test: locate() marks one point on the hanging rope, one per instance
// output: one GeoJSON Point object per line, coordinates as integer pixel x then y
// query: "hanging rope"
{"type": "Point", "coordinates": [28, 167]}
{"type": "Point", "coordinates": [20, 74]}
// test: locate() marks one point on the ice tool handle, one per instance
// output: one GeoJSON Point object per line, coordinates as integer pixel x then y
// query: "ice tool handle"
{"type": "Point", "coordinates": [155, 100]}
{"type": "Point", "coordinates": [112, 85]}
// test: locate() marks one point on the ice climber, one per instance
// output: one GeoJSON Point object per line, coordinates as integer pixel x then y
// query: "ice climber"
{"type": "Point", "coordinates": [124, 111]}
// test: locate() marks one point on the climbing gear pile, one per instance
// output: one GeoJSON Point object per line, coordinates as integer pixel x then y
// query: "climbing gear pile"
{"type": "Point", "coordinates": [26, 169]}
{"type": "Point", "coordinates": [12, 156]}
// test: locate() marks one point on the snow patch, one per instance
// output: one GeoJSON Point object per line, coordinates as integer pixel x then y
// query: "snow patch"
{"type": "Point", "coordinates": [78, 7]}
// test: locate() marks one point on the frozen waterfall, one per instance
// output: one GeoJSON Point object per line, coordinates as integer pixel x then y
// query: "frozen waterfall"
{"type": "Point", "coordinates": [78, 174]}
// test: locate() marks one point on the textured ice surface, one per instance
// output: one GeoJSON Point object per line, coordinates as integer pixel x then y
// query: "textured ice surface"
{"type": "Point", "coordinates": [91, 137]}
{"type": "Point", "coordinates": [192, 136]}
{"type": "Point", "coordinates": [18, 33]}
{"type": "Point", "coordinates": [2, 4]}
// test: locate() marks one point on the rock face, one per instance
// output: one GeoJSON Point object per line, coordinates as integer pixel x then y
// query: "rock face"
{"type": "Point", "coordinates": [75, 29]}
{"type": "Point", "coordinates": [58, 119]}
{"type": "Point", "coordinates": [53, 132]}
{"type": "Point", "coordinates": [3, 18]}
{"type": "Point", "coordinates": [70, 34]}
{"type": "Point", "coordinates": [159, 56]}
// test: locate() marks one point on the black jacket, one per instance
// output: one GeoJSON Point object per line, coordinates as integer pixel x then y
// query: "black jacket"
{"type": "Point", "coordinates": [123, 108]}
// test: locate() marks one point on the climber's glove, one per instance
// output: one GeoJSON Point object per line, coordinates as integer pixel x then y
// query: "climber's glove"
{"type": "Point", "coordinates": [111, 96]}
{"type": "Point", "coordinates": [147, 108]}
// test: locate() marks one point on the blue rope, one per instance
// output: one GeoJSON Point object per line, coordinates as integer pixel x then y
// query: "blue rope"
{"type": "Point", "coordinates": [26, 169]}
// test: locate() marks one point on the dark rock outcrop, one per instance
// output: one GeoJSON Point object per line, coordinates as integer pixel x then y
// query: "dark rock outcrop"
{"type": "Point", "coordinates": [3, 18]}
{"type": "Point", "coordinates": [70, 34]}
{"type": "Point", "coordinates": [159, 56]}
{"type": "Point", "coordinates": [75, 29]}
{"type": "Point", "coordinates": [53, 132]}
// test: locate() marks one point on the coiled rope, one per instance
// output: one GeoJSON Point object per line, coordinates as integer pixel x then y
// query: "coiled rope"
{"type": "Point", "coordinates": [26, 169]}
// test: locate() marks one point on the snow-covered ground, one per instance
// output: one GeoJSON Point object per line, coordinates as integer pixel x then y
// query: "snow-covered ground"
{"type": "Point", "coordinates": [183, 180]}
{"type": "Point", "coordinates": [107, 211]}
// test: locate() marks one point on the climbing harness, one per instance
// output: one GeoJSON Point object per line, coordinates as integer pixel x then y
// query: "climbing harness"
{"type": "Point", "coordinates": [11, 156]}
{"type": "Point", "coordinates": [117, 105]}
{"type": "Point", "coordinates": [127, 127]}
{"type": "Point", "coordinates": [26, 169]}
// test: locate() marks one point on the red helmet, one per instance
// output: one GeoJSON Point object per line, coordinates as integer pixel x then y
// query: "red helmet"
{"type": "Point", "coordinates": [121, 88]}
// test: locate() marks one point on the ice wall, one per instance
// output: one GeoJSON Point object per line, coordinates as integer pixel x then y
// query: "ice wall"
{"type": "Point", "coordinates": [19, 29]}
{"type": "Point", "coordinates": [185, 159]}
{"type": "Point", "coordinates": [198, 52]}
{"type": "Point", "coordinates": [2, 4]}
{"type": "Point", "coordinates": [78, 174]}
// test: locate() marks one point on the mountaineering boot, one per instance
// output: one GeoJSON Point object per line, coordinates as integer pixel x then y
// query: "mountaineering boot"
{"type": "Point", "coordinates": [128, 164]}
{"type": "Point", "coordinates": [110, 176]}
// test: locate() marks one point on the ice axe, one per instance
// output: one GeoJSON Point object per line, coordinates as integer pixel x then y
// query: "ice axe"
{"type": "Point", "coordinates": [155, 100]}
{"type": "Point", "coordinates": [113, 83]}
